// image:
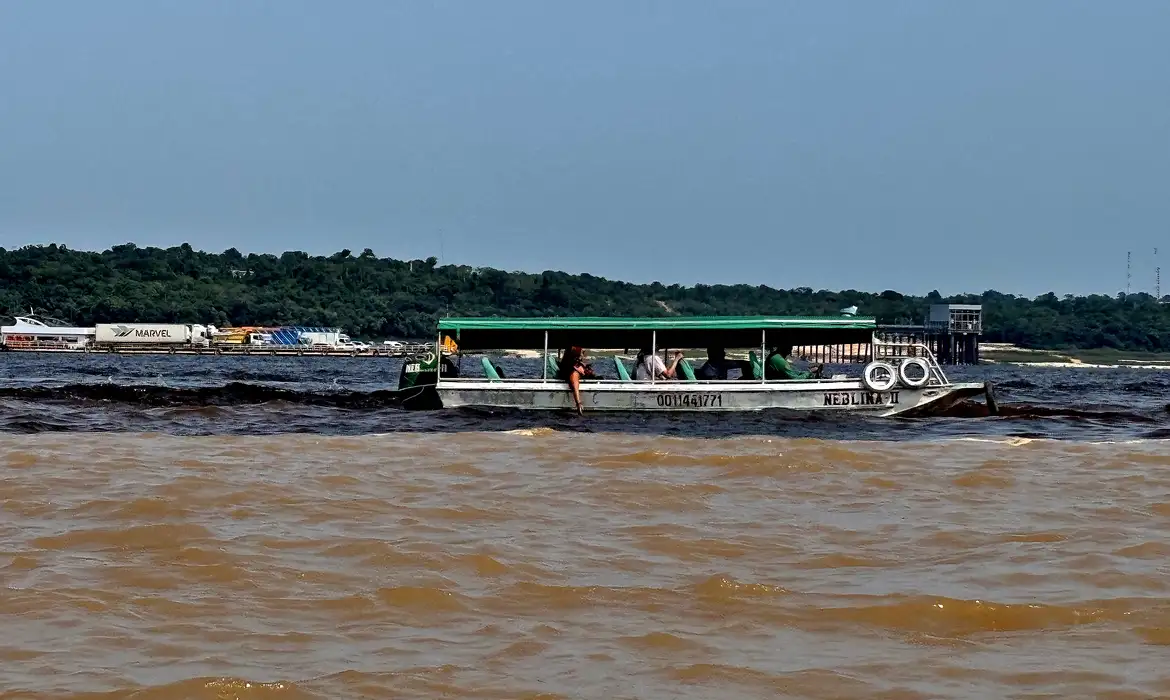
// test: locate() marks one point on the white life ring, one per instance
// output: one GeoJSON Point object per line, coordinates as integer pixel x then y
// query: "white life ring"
{"type": "Point", "coordinates": [875, 385]}
{"type": "Point", "coordinates": [912, 381]}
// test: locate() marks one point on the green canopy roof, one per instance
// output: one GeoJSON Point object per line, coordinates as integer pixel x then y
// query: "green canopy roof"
{"type": "Point", "coordinates": [488, 333]}
{"type": "Point", "coordinates": [662, 323]}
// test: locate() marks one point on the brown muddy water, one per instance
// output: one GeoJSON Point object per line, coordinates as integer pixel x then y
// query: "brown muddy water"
{"type": "Point", "coordinates": [537, 563]}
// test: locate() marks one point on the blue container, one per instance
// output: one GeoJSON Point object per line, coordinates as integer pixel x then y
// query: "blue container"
{"type": "Point", "coordinates": [289, 335]}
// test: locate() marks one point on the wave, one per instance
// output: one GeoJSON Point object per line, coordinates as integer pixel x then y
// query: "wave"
{"type": "Point", "coordinates": [193, 688]}
{"type": "Point", "coordinates": [1027, 411]}
{"type": "Point", "coordinates": [1016, 384]}
{"type": "Point", "coordinates": [1145, 387]}
{"type": "Point", "coordinates": [230, 394]}
{"type": "Point", "coordinates": [1157, 384]}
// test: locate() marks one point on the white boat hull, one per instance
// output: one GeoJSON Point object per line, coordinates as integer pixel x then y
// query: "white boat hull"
{"type": "Point", "coordinates": [818, 395]}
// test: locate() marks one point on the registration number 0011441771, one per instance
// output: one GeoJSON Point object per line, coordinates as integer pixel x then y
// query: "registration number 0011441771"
{"type": "Point", "coordinates": [681, 400]}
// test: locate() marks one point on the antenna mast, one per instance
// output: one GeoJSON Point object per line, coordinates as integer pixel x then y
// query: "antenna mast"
{"type": "Point", "coordinates": [1157, 277]}
{"type": "Point", "coordinates": [1128, 268]}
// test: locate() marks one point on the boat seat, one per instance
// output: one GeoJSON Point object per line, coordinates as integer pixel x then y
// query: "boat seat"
{"type": "Point", "coordinates": [553, 368]}
{"type": "Point", "coordinates": [684, 368]}
{"type": "Point", "coordinates": [757, 366]}
{"type": "Point", "coordinates": [623, 374]}
{"type": "Point", "coordinates": [489, 370]}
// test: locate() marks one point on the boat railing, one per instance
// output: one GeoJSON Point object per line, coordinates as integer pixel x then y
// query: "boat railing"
{"type": "Point", "coordinates": [478, 377]}
{"type": "Point", "coordinates": [673, 385]}
{"type": "Point", "coordinates": [43, 345]}
{"type": "Point", "coordinates": [895, 351]}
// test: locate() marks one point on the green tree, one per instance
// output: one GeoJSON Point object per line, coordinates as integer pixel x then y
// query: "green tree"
{"type": "Point", "coordinates": [378, 297]}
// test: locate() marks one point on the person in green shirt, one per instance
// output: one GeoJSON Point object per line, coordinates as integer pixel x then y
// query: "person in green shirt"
{"type": "Point", "coordinates": [778, 367]}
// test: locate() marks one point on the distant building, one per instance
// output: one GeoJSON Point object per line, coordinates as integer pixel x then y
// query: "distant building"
{"type": "Point", "coordinates": [955, 318]}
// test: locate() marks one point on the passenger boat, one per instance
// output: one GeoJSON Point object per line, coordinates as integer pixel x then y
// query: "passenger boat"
{"type": "Point", "coordinates": [897, 379]}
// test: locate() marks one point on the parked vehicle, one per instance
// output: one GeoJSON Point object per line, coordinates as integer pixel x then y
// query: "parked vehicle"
{"type": "Point", "coordinates": [151, 334]}
{"type": "Point", "coordinates": [329, 339]}
{"type": "Point", "coordinates": [332, 341]}
{"type": "Point", "coordinates": [256, 338]}
{"type": "Point", "coordinates": [243, 335]}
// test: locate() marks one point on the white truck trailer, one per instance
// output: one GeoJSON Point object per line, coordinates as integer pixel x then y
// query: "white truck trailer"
{"type": "Point", "coordinates": [331, 339]}
{"type": "Point", "coordinates": [152, 334]}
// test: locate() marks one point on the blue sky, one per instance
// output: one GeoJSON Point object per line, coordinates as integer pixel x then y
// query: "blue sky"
{"type": "Point", "coordinates": [916, 145]}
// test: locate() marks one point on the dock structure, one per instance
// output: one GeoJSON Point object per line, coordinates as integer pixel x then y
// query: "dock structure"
{"type": "Point", "coordinates": [957, 328]}
{"type": "Point", "coordinates": [405, 350]}
{"type": "Point", "coordinates": [950, 331]}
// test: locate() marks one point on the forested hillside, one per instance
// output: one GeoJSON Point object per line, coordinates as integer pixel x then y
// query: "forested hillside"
{"type": "Point", "coordinates": [375, 297]}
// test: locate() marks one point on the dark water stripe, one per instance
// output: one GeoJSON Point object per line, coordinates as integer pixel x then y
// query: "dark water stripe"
{"type": "Point", "coordinates": [237, 393]}
{"type": "Point", "coordinates": [233, 393]}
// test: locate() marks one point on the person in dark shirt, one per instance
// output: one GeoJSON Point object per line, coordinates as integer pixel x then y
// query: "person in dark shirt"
{"type": "Point", "coordinates": [717, 365]}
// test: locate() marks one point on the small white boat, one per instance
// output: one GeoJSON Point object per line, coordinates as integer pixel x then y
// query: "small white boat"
{"type": "Point", "coordinates": [898, 378]}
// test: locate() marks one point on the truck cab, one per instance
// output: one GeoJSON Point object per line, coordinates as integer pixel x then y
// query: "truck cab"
{"type": "Point", "coordinates": [255, 338]}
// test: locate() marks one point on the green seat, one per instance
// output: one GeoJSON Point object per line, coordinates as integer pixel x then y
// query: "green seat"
{"type": "Point", "coordinates": [757, 366]}
{"type": "Point", "coordinates": [688, 373]}
{"type": "Point", "coordinates": [552, 367]}
{"type": "Point", "coordinates": [489, 369]}
{"type": "Point", "coordinates": [623, 374]}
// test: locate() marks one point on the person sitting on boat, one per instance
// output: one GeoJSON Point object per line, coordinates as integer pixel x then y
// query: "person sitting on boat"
{"type": "Point", "coordinates": [572, 369]}
{"type": "Point", "coordinates": [649, 364]}
{"type": "Point", "coordinates": [778, 367]}
{"type": "Point", "coordinates": [717, 365]}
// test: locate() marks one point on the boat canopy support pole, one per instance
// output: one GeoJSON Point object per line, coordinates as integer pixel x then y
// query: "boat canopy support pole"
{"type": "Point", "coordinates": [764, 356]}
{"type": "Point", "coordinates": [544, 377]}
{"type": "Point", "coordinates": [654, 352]}
{"type": "Point", "coordinates": [439, 358]}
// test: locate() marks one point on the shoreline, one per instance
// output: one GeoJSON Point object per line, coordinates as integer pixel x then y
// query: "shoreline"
{"type": "Point", "coordinates": [1008, 354]}
{"type": "Point", "coordinates": [1076, 364]}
